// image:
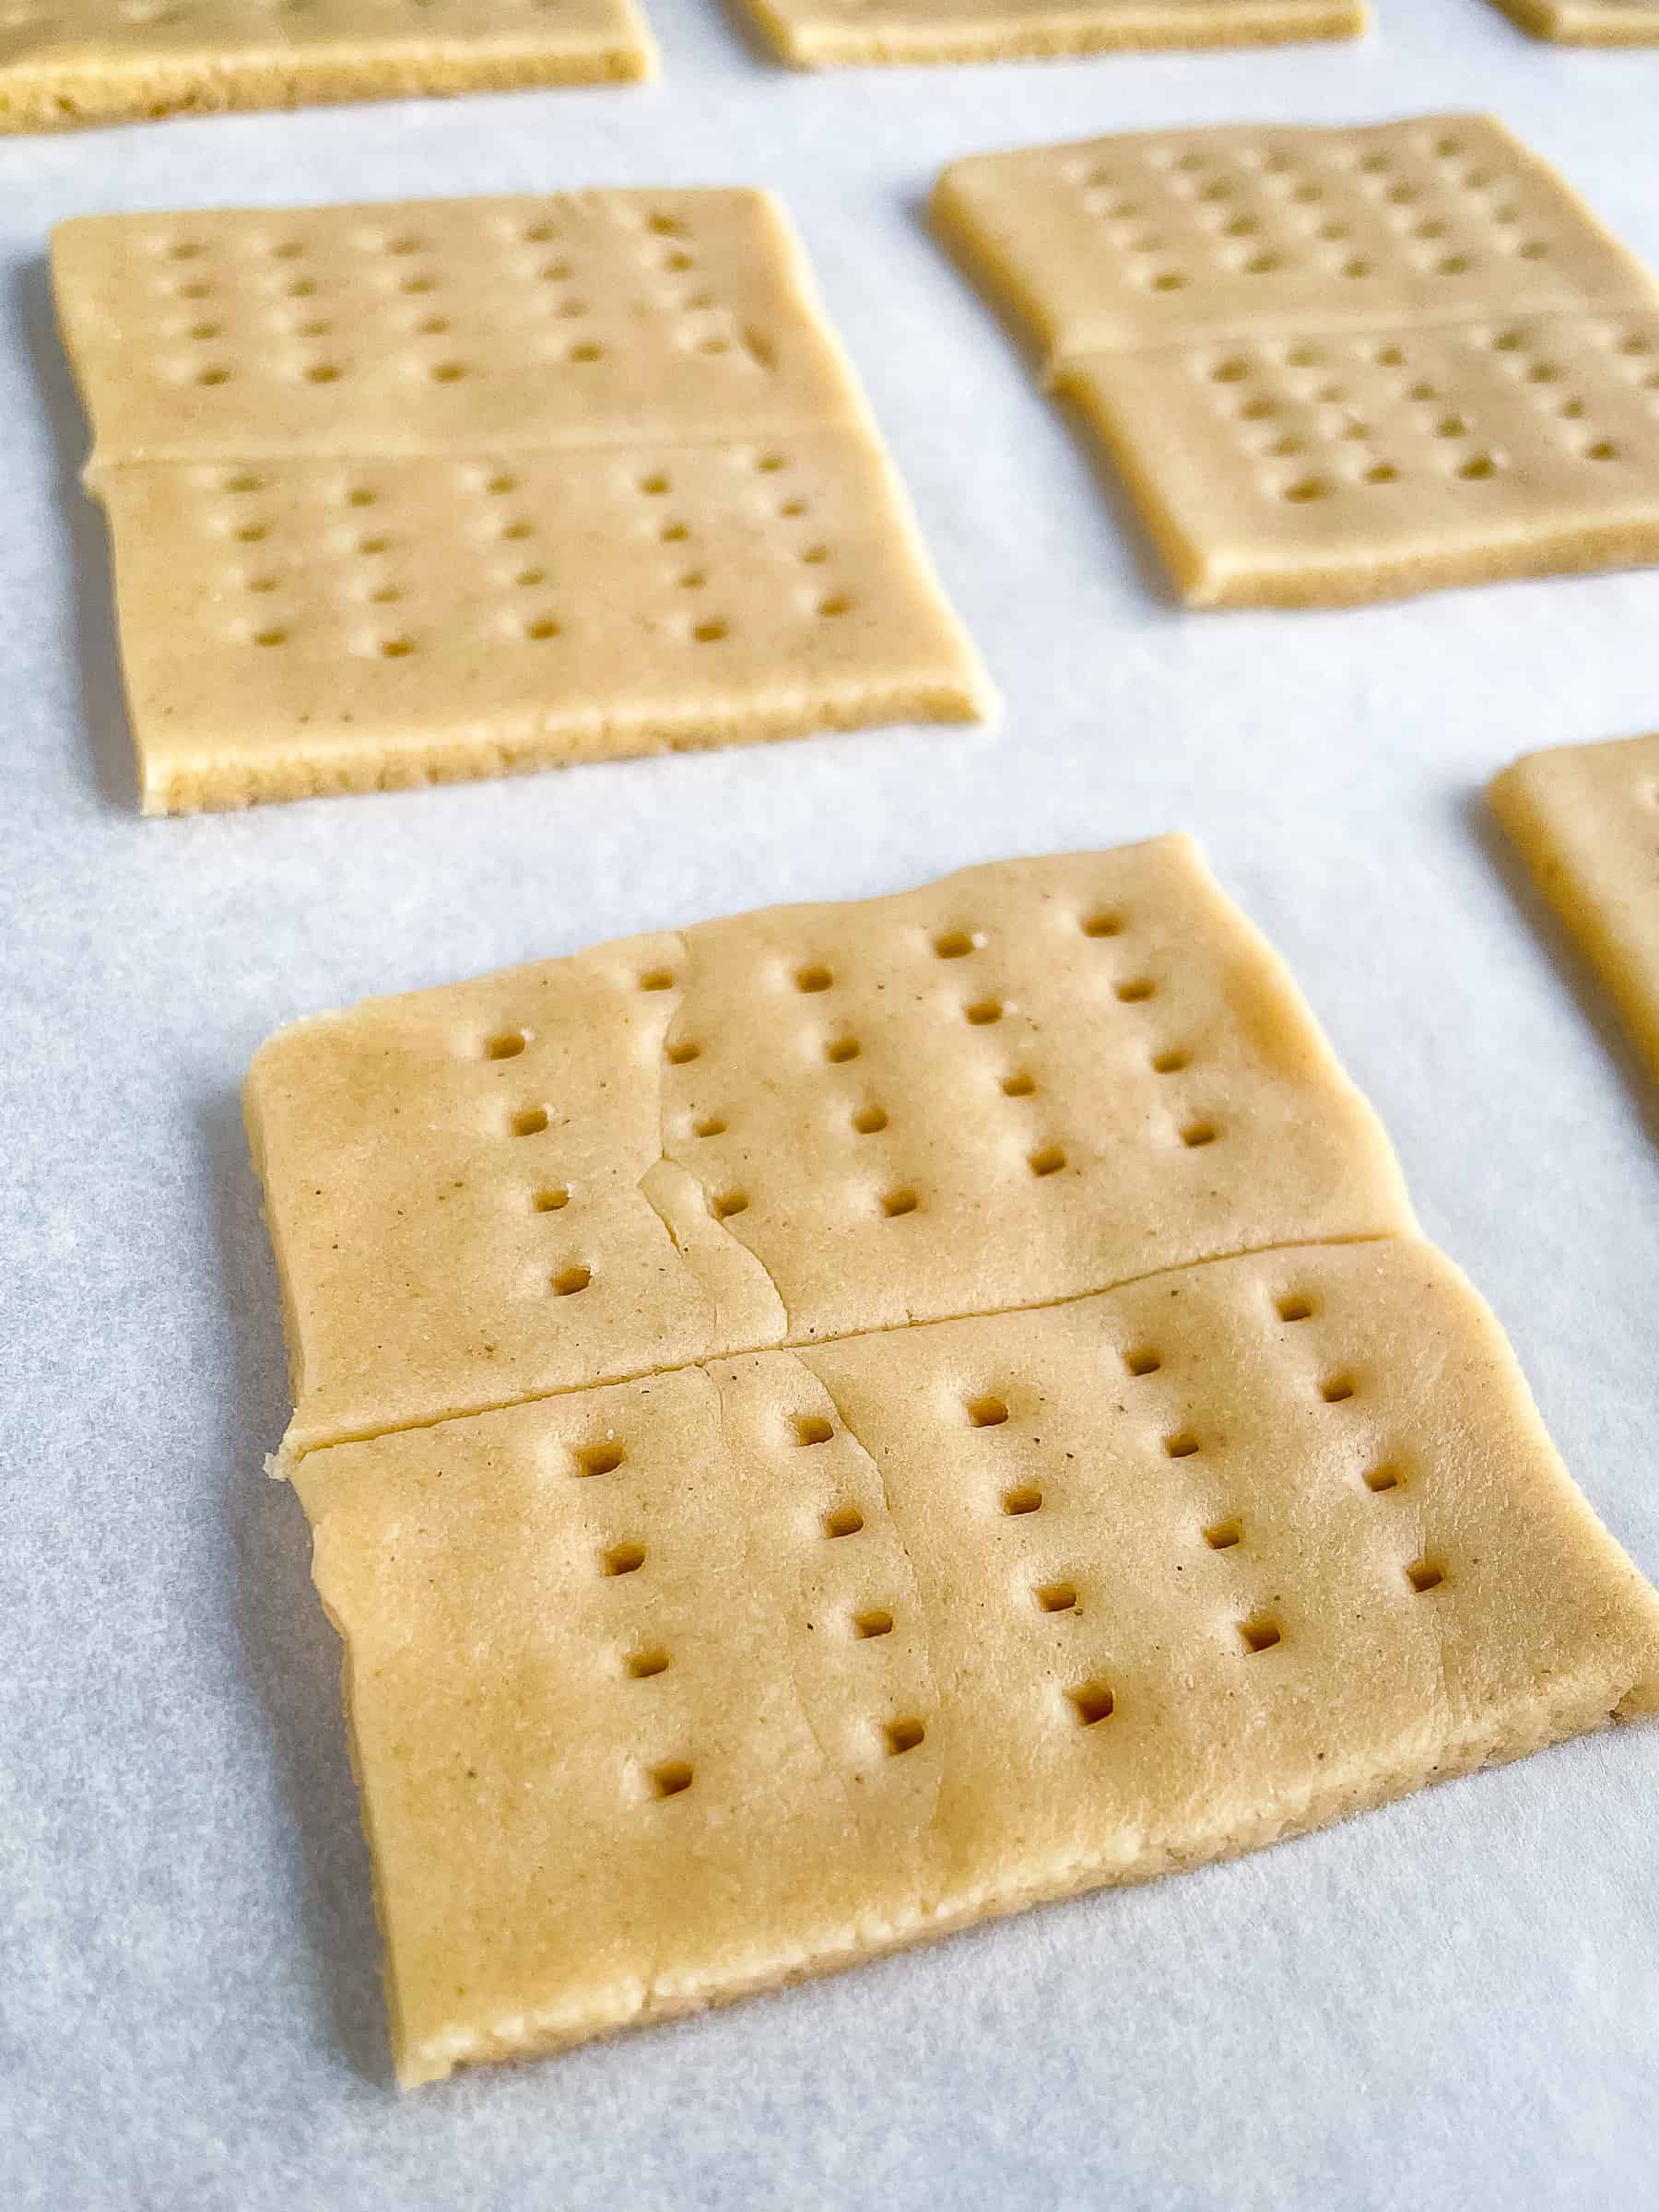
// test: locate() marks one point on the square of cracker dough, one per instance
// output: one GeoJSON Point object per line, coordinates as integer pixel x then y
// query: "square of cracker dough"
{"type": "Point", "coordinates": [294, 627]}
{"type": "Point", "coordinates": [64, 63]}
{"type": "Point", "coordinates": [1587, 22]}
{"type": "Point", "coordinates": [625, 405]}
{"type": "Point", "coordinates": [464, 327]}
{"type": "Point", "coordinates": [1292, 471]}
{"type": "Point", "coordinates": [1028, 1081]}
{"type": "Point", "coordinates": [1585, 819]}
{"type": "Point", "coordinates": [665, 1693]}
{"type": "Point", "coordinates": [816, 34]}
{"type": "Point", "coordinates": [1159, 239]}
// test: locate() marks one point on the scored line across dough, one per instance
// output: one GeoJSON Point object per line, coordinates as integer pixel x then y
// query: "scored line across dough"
{"type": "Point", "coordinates": [1335, 365]}
{"type": "Point", "coordinates": [768, 1659]}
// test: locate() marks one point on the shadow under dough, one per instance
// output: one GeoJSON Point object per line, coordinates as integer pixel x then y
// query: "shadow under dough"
{"type": "Point", "coordinates": [291, 1655]}
{"type": "Point", "coordinates": [102, 697]}
{"type": "Point", "coordinates": [1123, 516]}
{"type": "Point", "coordinates": [1587, 986]}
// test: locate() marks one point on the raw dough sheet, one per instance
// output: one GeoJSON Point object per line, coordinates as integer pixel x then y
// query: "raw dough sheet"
{"type": "Point", "coordinates": [1449, 2002]}
{"type": "Point", "coordinates": [676, 522]}
{"type": "Point", "coordinates": [1334, 366]}
{"type": "Point", "coordinates": [1118, 1150]}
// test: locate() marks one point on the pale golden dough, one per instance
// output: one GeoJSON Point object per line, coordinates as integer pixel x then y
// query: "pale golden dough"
{"type": "Point", "coordinates": [866, 1416]}
{"type": "Point", "coordinates": [303, 627]}
{"type": "Point", "coordinates": [1159, 239]}
{"type": "Point", "coordinates": [624, 408]}
{"type": "Point", "coordinates": [1335, 365]}
{"type": "Point", "coordinates": [1586, 820]}
{"type": "Point", "coordinates": [1126, 1585]}
{"type": "Point", "coordinates": [1587, 22]}
{"type": "Point", "coordinates": [1028, 1081]}
{"type": "Point", "coordinates": [64, 63]}
{"type": "Point", "coordinates": [1291, 472]}
{"type": "Point", "coordinates": [568, 319]}
{"type": "Point", "coordinates": [818, 34]}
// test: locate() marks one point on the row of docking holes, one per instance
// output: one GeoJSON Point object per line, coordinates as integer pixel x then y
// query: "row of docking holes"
{"type": "Point", "coordinates": [517, 531]}
{"type": "Point", "coordinates": [1451, 425]}
{"type": "Point", "coordinates": [448, 369]}
{"type": "Point", "coordinates": [1189, 171]}
{"type": "Point", "coordinates": [1092, 1702]}
{"type": "Point", "coordinates": [1251, 260]}
{"type": "Point", "coordinates": [1108, 195]}
{"type": "Point", "coordinates": [870, 1118]}
{"type": "Point", "coordinates": [1634, 347]}
{"type": "Point", "coordinates": [666, 251]}
{"type": "Point", "coordinates": [1152, 268]}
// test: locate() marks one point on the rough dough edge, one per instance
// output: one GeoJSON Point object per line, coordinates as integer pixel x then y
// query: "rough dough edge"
{"type": "Point", "coordinates": [1582, 1712]}
{"type": "Point", "coordinates": [209, 784]}
{"type": "Point", "coordinates": [1581, 1702]}
{"type": "Point", "coordinates": [1108, 28]}
{"type": "Point", "coordinates": [36, 97]}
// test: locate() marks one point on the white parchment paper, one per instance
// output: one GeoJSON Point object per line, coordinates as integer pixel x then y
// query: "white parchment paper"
{"type": "Point", "coordinates": [1452, 2003]}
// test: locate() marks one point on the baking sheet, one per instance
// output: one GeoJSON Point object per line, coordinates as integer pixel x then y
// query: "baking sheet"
{"type": "Point", "coordinates": [1452, 2002]}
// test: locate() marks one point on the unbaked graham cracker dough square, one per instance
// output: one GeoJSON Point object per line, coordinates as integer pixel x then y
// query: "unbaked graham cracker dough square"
{"type": "Point", "coordinates": [1023, 1082]}
{"type": "Point", "coordinates": [1585, 819]}
{"type": "Point", "coordinates": [407, 492]}
{"type": "Point", "coordinates": [823, 1427]}
{"type": "Point", "coordinates": [818, 34]}
{"type": "Point", "coordinates": [66, 63]}
{"type": "Point", "coordinates": [1335, 365]}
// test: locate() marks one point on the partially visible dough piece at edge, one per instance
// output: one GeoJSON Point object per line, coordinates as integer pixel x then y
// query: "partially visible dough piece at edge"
{"type": "Point", "coordinates": [1587, 22]}
{"type": "Point", "coordinates": [1585, 819]}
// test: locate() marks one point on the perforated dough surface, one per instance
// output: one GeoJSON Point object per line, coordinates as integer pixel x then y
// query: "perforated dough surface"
{"type": "Point", "coordinates": [1586, 820]}
{"type": "Point", "coordinates": [1335, 365]}
{"type": "Point", "coordinates": [681, 528]}
{"type": "Point", "coordinates": [64, 62]}
{"type": "Point", "coordinates": [1436, 2004]}
{"type": "Point", "coordinates": [363, 626]}
{"type": "Point", "coordinates": [815, 34]}
{"type": "Point", "coordinates": [1028, 1081]}
{"type": "Point", "coordinates": [537, 322]}
{"type": "Point", "coordinates": [675, 1686]}
{"type": "Point", "coordinates": [1347, 468]}
{"type": "Point", "coordinates": [661, 1693]}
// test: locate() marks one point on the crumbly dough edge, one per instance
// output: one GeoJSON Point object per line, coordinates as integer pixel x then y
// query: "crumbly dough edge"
{"type": "Point", "coordinates": [42, 97]}
{"type": "Point", "coordinates": [209, 784]}
{"type": "Point", "coordinates": [1579, 1709]}
{"type": "Point", "coordinates": [1142, 26]}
